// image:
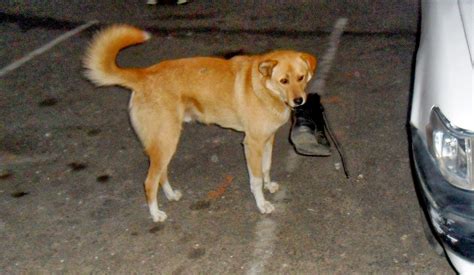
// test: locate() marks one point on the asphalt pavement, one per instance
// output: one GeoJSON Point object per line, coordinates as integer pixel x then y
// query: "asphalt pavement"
{"type": "Point", "coordinates": [72, 169]}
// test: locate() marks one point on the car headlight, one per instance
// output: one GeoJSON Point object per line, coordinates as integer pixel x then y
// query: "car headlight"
{"type": "Point", "coordinates": [452, 148]}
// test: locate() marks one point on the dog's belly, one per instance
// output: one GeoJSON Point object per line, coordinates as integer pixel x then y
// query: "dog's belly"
{"type": "Point", "coordinates": [222, 119]}
{"type": "Point", "coordinates": [231, 125]}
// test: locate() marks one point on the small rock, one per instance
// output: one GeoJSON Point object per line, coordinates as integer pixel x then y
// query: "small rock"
{"type": "Point", "coordinates": [5, 174]}
{"type": "Point", "coordinates": [196, 253]}
{"type": "Point", "coordinates": [103, 178]}
{"type": "Point", "coordinates": [199, 205]}
{"type": "Point", "coordinates": [47, 102]}
{"type": "Point", "coordinates": [19, 194]}
{"type": "Point", "coordinates": [77, 166]}
{"type": "Point", "coordinates": [156, 228]}
{"type": "Point", "coordinates": [93, 132]}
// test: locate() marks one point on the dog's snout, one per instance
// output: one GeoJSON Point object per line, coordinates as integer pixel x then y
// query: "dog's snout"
{"type": "Point", "coordinates": [298, 101]}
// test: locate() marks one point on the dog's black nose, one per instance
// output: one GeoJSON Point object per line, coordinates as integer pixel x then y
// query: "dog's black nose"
{"type": "Point", "coordinates": [298, 101]}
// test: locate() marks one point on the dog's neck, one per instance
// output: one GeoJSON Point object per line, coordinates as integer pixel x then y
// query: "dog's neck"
{"type": "Point", "coordinates": [272, 102]}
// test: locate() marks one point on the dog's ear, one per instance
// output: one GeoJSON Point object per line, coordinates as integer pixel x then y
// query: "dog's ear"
{"type": "Point", "coordinates": [266, 67]}
{"type": "Point", "coordinates": [310, 60]}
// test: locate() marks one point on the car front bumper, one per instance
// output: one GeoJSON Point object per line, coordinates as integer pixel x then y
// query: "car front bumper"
{"type": "Point", "coordinates": [450, 210]}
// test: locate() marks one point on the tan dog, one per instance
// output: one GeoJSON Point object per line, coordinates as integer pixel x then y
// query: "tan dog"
{"type": "Point", "coordinates": [252, 94]}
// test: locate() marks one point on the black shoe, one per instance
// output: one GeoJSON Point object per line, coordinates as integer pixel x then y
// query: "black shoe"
{"type": "Point", "coordinates": [307, 133]}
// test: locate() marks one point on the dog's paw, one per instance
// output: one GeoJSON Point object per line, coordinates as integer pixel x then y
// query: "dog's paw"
{"type": "Point", "coordinates": [175, 196]}
{"type": "Point", "coordinates": [266, 207]}
{"type": "Point", "coordinates": [272, 187]}
{"type": "Point", "coordinates": [158, 216]}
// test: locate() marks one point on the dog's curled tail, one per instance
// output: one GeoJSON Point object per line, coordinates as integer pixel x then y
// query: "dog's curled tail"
{"type": "Point", "coordinates": [99, 60]}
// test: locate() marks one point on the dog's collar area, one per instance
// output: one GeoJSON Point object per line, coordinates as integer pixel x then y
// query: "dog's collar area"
{"type": "Point", "coordinates": [261, 94]}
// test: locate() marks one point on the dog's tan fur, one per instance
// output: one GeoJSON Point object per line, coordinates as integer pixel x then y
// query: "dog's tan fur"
{"type": "Point", "coordinates": [252, 94]}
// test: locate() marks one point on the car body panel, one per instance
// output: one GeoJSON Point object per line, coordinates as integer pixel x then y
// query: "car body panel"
{"type": "Point", "coordinates": [466, 8]}
{"type": "Point", "coordinates": [444, 78]}
{"type": "Point", "coordinates": [444, 71]}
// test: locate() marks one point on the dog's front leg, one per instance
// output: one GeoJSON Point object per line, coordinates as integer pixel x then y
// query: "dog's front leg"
{"type": "Point", "coordinates": [254, 148]}
{"type": "Point", "coordinates": [271, 186]}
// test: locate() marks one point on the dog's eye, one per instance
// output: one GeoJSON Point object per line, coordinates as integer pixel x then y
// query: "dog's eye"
{"type": "Point", "coordinates": [300, 78]}
{"type": "Point", "coordinates": [284, 81]}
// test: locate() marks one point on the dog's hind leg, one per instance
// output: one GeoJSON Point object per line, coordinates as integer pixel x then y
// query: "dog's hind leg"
{"type": "Point", "coordinates": [266, 164]}
{"type": "Point", "coordinates": [151, 186]}
{"type": "Point", "coordinates": [254, 148]}
{"type": "Point", "coordinates": [160, 153]}
{"type": "Point", "coordinates": [160, 138]}
{"type": "Point", "coordinates": [172, 195]}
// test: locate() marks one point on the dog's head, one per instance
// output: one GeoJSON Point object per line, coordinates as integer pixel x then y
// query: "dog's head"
{"type": "Point", "coordinates": [286, 74]}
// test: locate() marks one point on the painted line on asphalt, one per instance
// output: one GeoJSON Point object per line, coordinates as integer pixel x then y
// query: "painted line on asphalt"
{"type": "Point", "coordinates": [18, 63]}
{"type": "Point", "coordinates": [266, 229]}
{"type": "Point", "coordinates": [318, 86]}
{"type": "Point", "coordinates": [327, 59]}
{"type": "Point", "coordinates": [266, 235]}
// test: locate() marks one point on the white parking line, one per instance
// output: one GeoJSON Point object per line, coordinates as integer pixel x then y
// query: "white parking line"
{"type": "Point", "coordinates": [264, 245]}
{"type": "Point", "coordinates": [318, 86]}
{"type": "Point", "coordinates": [18, 63]}
{"type": "Point", "coordinates": [327, 59]}
{"type": "Point", "coordinates": [266, 229]}
{"type": "Point", "coordinates": [265, 236]}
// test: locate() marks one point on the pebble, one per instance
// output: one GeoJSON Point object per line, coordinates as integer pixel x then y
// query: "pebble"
{"type": "Point", "coordinates": [4, 174]}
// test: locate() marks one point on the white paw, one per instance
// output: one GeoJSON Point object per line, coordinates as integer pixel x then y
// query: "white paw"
{"type": "Point", "coordinates": [175, 196]}
{"type": "Point", "coordinates": [266, 207]}
{"type": "Point", "coordinates": [272, 187]}
{"type": "Point", "coordinates": [158, 216]}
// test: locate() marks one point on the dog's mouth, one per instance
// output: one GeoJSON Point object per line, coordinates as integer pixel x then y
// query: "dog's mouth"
{"type": "Point", "coordinates": [293, 107]}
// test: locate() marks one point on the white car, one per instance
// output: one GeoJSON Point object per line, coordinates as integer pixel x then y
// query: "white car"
{"type": "Point", "coordinates": [442, 127]}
